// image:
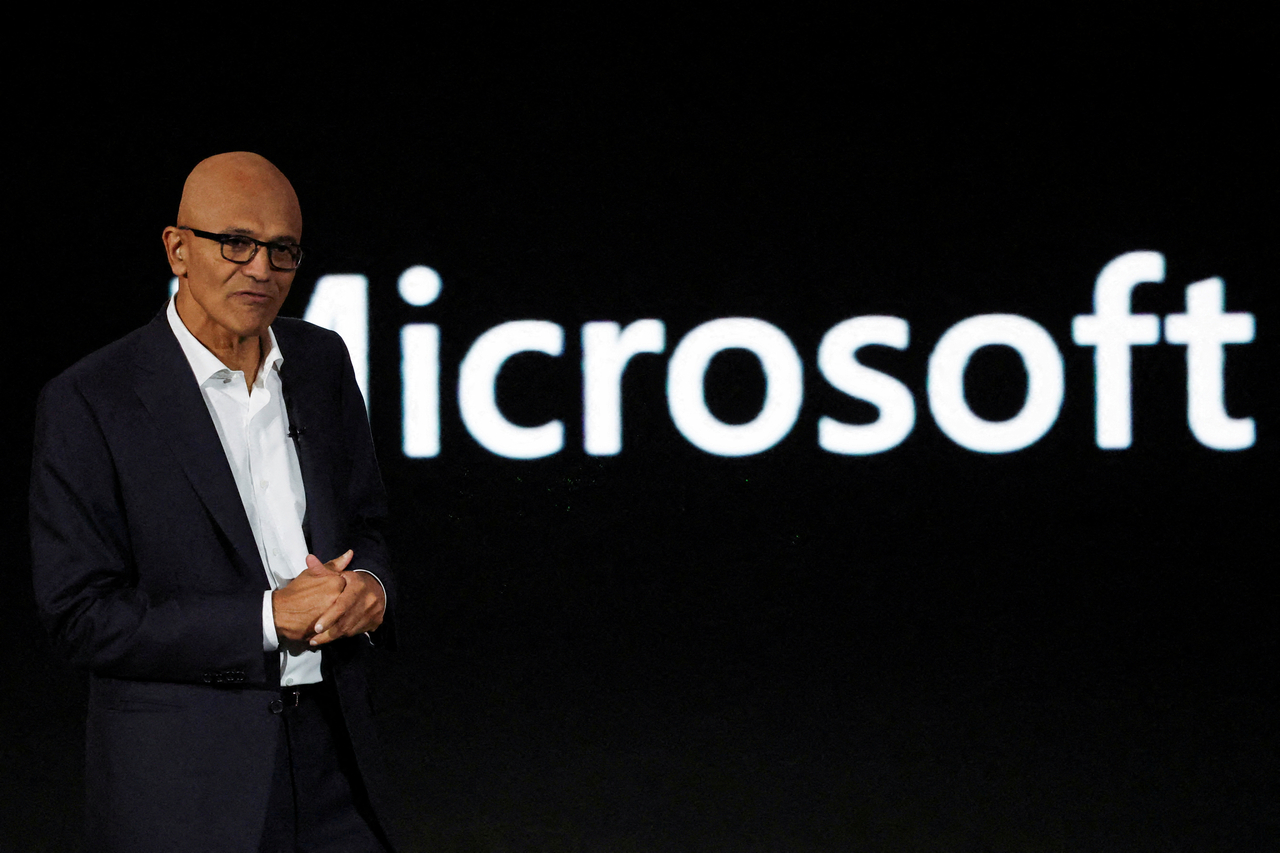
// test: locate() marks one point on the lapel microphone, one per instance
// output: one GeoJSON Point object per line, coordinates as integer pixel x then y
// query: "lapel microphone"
{"type": "Point", "coordinates": [295, 432]}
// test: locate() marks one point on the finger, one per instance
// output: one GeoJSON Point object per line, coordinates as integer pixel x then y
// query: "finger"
{"type": "Point", "coordinates": [363, 610]}
{"type": "Point", "coordinates": [314, 565]}
{"type": "Point", "coordinates": [327, 626]}
{"type": "Point", "coordinates": [297, 605]}
{"type": "Point", "coordinates": [341, 562]}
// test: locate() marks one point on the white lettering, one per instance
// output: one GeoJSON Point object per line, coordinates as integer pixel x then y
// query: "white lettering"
{"type": "Point", "coordinates": [1039, 356]}
{"type": "Point", "coordinates": [606, 349]}
{"type": "Point", "coordinates": [420, 391]}
{"type": "Point", "coordinates": [341, 303]}
{"type": "Point", "coordinates": [1112, 330]}
{"type": "Point", "coordinates": [419, 285]}
{"type": "Point", "coordinates": [1204, 329]}
{"type": "Point", "coordinates": [784, 386]}
{"type": "Point", "coordinates": [837, 359]}
{"type": "Point", "coordinates": [476, 393]}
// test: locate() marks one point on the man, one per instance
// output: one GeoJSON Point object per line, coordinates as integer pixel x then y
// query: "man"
{"type": "Point", "coordinates": [184, 480]}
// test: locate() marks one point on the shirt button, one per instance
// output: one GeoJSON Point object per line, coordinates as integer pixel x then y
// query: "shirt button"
{"type": "Point", "coordinates": [288, 682]}
{"type": "Point", "coordinates": [263, 484]}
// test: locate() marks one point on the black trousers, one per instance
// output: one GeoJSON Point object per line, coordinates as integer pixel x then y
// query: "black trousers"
{"type": "Point", "coordinates": [318, 803]}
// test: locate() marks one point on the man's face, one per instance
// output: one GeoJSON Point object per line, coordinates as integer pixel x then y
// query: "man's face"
{"type": "Point", "coordinates": [225, 300]}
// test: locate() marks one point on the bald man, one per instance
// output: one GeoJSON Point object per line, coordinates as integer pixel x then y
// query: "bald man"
{"type": "Point", "coordinates": [205, 513]}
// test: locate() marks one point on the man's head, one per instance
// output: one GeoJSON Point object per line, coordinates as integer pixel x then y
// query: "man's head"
{"type": "Point", "coordinates": [223, 302]}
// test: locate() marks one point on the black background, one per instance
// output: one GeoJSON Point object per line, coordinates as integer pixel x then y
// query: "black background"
{"type": "Point", "coordinates": [1060, 648]}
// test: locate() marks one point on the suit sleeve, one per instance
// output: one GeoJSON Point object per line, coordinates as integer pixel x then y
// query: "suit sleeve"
{"type": "Point", "coordinates": [86, 576]}
{"type": "Point", "coordinates": [367, 500]}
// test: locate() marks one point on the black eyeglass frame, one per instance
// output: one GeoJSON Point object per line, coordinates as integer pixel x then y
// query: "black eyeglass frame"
{"type": "Point", "coordinates": [292, 249]}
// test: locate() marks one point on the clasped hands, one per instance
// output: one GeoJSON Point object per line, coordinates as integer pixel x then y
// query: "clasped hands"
{"type": "Point", "coordinates": [326, 602]}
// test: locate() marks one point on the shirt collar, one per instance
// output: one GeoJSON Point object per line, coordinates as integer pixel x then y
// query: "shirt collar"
{"type": "Point", "coordinates": [204, 364]}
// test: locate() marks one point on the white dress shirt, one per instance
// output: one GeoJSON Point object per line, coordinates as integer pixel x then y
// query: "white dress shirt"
{"type": "Point", "coordinates": [253, 427]}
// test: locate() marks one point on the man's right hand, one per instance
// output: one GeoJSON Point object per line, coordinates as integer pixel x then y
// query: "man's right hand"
{"type": "Point", "coordinates": [297, 605]}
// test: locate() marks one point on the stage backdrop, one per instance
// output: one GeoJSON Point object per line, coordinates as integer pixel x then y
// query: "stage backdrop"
{"type": "Point", "coordinates": [788, 445]}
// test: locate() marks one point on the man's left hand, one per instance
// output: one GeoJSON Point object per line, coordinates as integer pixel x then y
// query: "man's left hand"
{"type": "Point", "coordinates": [359, 608]}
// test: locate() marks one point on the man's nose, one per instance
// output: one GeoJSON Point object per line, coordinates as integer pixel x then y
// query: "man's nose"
{"type": "Point", "coordinates": [258, 267]}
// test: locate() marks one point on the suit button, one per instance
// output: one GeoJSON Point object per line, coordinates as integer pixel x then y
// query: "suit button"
{"type": "Point", "coordinates": [207, 678]}
{"type": "Point", "coordinates": [276, 706]}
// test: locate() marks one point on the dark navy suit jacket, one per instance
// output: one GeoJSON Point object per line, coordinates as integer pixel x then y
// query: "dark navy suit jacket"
{"type": "Point", "coordinates": [147, 575]}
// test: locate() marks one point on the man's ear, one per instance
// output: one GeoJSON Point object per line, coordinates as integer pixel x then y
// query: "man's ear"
{"type": "Point", "coordinates": [174, 247]}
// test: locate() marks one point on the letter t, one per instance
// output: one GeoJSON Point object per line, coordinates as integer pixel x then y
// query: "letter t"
{"type": "Point", "coordinates": [1204, 329]}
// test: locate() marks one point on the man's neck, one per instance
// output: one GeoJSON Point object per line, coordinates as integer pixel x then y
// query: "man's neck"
{"type": "Point", "coordinates": [245, 356]}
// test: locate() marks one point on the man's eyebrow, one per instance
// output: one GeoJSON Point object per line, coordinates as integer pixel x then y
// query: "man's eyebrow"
{"type": "Point", "coordinates": [282, 238]}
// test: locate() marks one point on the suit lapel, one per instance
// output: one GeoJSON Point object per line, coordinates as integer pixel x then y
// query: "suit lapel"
{"type": "Point", "coordinates": [169, 392]}
{"type": "Point", "coordinates": [304, 401]}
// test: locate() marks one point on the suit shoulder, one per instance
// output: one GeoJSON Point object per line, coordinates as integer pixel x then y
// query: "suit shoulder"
{"type": "Point", "coordinates": [305, 341]}
{"type": "Point", "coordinates": [293, 330]}
{"type": "Point", "coordinates": [101, 369]}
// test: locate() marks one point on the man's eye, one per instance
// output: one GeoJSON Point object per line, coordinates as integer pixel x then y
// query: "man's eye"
{"type": "Point", "coordinates": [238, 244]}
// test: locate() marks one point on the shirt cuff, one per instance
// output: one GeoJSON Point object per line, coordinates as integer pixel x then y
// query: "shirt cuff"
{"type": "Point", "coordinates": [269, 641]}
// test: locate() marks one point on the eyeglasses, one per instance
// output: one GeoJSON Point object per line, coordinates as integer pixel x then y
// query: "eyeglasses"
{"type": "Point", "coordinates": [240, 249]}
